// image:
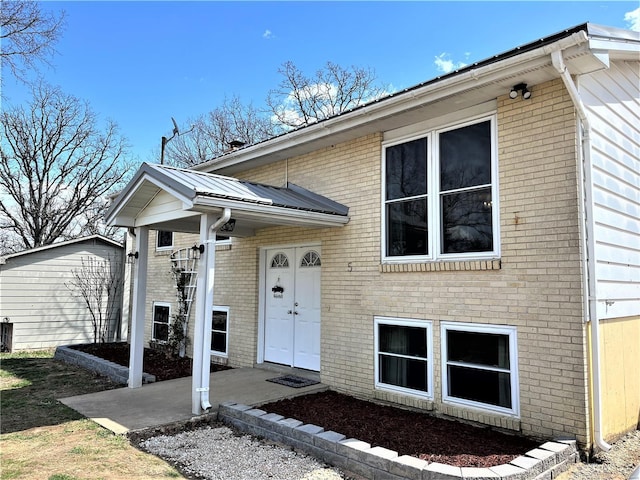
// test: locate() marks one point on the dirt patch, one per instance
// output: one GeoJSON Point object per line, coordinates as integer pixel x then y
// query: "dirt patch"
{"type": "Point", "coordinates": [407, 432]}
{"type": "Point", "coordinates": [155, 362]}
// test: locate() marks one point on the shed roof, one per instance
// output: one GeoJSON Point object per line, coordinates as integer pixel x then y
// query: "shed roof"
{"type": "Point", "coordinates": [99, 238]}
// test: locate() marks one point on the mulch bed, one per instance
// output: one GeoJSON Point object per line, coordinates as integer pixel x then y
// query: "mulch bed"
{"type": "Point", "coordinates": [155, 362]}
{"type": "Point", "coordinates": [408, 433]}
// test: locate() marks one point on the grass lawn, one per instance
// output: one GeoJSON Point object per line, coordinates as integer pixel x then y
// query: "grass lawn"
{"type": "Point", "coordinates": [43, 439]}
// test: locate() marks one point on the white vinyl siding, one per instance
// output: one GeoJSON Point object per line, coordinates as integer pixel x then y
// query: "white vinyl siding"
{"type": "Point", "coordinates": [612, 98]}
{"type": "Point", "coordinates": [34, 296]}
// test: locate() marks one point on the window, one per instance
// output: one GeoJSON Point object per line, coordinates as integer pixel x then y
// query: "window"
{"type": "Point", "coordinates": [403, 357]}
{"type": "Point", "coordinates": [479, 366]}
{"type": "Point", "coordinates": [279, 260]}
{"type": "Point", "coordinates": [311, 259]}
{"type": "Point", "coordinates": [164, 240]}
{"type": "Point", "coordinates": [219, 330]}
{"type": "Point", "coordinates": [161, 316]}
{"type": "Point", "coordinates": [439, 193]}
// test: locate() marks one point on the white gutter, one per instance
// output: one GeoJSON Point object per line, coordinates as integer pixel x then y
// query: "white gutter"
{"type": "Point", "coordinates": [588, 245]}
{"type": "Point", "coordinates": [210, 251]}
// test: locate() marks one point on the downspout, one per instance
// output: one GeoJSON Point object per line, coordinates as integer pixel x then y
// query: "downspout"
{"type": "Point", "coordinates": [588, 243]}
{"type": "Point", "coordinates": [206, 352]}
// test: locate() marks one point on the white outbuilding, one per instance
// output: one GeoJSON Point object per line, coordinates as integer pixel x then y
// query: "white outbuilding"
{"type": "Point", "coordinates": [40, 307]}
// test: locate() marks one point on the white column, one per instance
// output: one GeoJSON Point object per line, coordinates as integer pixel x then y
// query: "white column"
{"type": "Point", "coordinates": [139, 304]}
{"type": "Point", "coordinates": [204, 307]}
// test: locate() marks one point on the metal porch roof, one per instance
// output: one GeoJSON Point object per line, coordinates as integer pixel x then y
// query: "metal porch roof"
{"type": "Point", "coordinates": [199, 191]}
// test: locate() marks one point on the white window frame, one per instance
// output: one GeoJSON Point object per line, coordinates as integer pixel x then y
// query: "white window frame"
{"type": "Point", "coordinates": [166, 247]}
{"type": "Point", "coordinates": [225, 309]}
{"type": "Point", "coordinates": [512, 334]}
{"type": "Point", "coordinates": [404, 322]}
{"type": "Point", "coordinates": [153, 321]}
{"type": "Point", "coordinates": [433, 195]}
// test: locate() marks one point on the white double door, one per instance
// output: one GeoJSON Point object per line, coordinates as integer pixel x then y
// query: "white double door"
{"type": "Point", "coordinates": [292, 307]}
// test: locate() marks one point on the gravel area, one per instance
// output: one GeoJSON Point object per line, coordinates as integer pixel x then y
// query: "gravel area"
{"type": "Point", "coordinates": [616, 464]}
{"type": "Point", "coordinates": [219, 453]}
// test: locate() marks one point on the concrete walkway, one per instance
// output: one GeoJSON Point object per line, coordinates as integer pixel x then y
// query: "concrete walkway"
{"type": "Point", "coordinates": [126, 409]}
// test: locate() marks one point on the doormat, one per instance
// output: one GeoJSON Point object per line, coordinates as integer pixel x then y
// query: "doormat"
{"type": "Point", "coordinates": [293, 381]}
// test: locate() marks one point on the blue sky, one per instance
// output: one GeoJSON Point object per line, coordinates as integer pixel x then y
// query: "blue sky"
{"type": "Point", "coordinates": [141, 63]}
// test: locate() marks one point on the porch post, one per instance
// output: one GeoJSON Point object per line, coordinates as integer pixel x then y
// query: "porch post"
{"type": "Point", "coordinates": [139, 304]}
{"type": "Point", "coordinates": [204, 307]}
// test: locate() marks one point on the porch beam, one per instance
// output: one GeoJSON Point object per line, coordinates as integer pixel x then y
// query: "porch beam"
{"type": "Point", "coordinates": [139, 307]}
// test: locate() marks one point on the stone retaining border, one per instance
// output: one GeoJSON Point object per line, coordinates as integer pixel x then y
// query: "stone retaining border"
{"type": "Point", "coordinates": [117, 373]}
{"type": "Point", "coordinates": [542, 463]}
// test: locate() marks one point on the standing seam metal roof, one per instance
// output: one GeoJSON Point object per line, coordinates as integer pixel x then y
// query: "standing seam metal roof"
{"type": "Point", "coordinates": [218, 186]}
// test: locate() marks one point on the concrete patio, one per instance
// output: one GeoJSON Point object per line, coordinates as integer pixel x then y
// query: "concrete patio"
{"type": "Point", "coordinates": [155, 404]}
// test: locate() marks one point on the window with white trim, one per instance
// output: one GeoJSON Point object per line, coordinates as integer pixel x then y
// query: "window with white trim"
{"type": "Point", "coordinates": [220, 331]}
{"type": "Point", "coordinates": [439, 195]}
{"type": "Point", "coordinates": [480, 366]}
{"type": "Point", "coordinates": [164, 240]}
{"type": "Point", "coordinates": [161, 316]}
{"type": "Point", "coordinates": [403, 355]}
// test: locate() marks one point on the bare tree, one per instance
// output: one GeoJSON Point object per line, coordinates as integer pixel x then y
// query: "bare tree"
{"type": "Point", "coordinates": [99, 283]}
{"type": "Point", "coordinates": [300, 100]}
{"type": "Point", "coordinates": [213, 133]}
{"type": "Point", "coordinates": [56, 167]}
{"type": "Point", "coordinates": [27, 34]}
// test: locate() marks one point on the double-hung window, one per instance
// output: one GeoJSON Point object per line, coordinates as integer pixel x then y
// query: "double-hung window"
{"type": "Point", "coordinates": [439, 194]}
{"type": "Point", "coordinates": [164, 240]}
{"type": "Point", "coordinates": [480, 366]}
{"type": "Point", "coordinates": [220, 331]}
{"type": "Point", "coordinates": [161, 316]}
{"type": "Point", "coordinates": [403, 357]}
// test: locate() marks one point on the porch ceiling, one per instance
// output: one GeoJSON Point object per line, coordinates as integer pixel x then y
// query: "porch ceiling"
{"type": "Point", "coordinates": [169, 198]}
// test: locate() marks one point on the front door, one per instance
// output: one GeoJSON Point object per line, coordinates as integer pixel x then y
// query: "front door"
{"type": "Point", "coordinates": [292, 307]}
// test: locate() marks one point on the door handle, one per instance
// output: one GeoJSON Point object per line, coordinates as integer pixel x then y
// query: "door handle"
{"type": "Point", "coordinates": [290, 312]}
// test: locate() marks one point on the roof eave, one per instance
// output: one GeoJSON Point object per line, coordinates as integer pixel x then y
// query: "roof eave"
{"type": "Point", "coordinates": [411, 98]}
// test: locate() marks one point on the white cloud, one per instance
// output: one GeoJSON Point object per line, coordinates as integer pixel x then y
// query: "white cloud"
{"type": "Point", "coordinates": [633, 19]}
{"type": "Point", "coordinates": [267, 34]}
{"type": "Point", "coordinates": [445, 64]}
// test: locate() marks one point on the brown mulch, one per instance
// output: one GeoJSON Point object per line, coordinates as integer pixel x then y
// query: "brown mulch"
{"type": "Point", "coordinates": [155, 362]}
{"type": "Point", "coordinates": [407, 432]}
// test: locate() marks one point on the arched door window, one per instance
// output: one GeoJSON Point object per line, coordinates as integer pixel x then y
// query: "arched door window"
{"type": "Point", "coordinates": [279, 260]}
{"type": "Point", "coordinates": [310, 259]}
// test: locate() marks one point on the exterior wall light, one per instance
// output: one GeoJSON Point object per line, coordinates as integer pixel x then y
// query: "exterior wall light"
{"type": "Point", "coordinates": [521, 87]}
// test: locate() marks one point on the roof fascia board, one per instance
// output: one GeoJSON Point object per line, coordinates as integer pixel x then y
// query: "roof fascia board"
{"type": "Point", "coordinates": [65, 243]}
{"type": "Point", "coordinates": [270, 213]}
{"type": "Point", "coordinates": [159, 180]}
{"type": "Point", "coordinates": [433, 91]}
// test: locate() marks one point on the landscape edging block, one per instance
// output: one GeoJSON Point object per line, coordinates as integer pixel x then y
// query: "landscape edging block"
{"type": "Point", "coordinates": [380, 457]}
{"type": "Point", "coordinates": [328, 440]}
{"type": "Point", "coordinates": [353, 449]}
{"type": "Point", "coordinates": [117, 373]}
{"type": "Point", "coordinates": [478, 473]}
{"type": "Point", "coordinates": [408, 467]}
{"type": "Point", "coordinates": [360, 458]}
{"type": "Point", "coordinates": [440, 471]}
{"type": "Point", "coordinates": [509, 472]}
